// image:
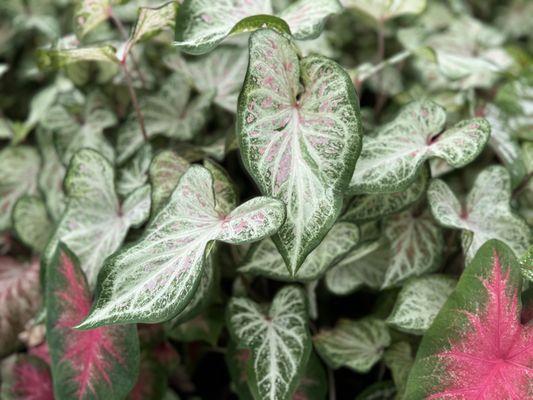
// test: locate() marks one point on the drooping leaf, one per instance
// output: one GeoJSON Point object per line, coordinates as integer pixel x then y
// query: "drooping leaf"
{"type": "Point", "coordinates": [32, 223]}
{"type": "Point", "coordinates": [485, 215]}
{"type": "Point", "coordinates": [57, 58]}
{"type": "Point", "coordinates": [476, 347]}
{"type": "Point", "coordinates": [419, 302]}
{"type": "Point", "coordinates": [416, 246]}
{"type": "Point", "coordinates": [278, 339]}
{"type": "Point", "coordinates": [299, 131]}
{"type": "Point", "coordinates": [399, 359]}
{"type": "Point", "coordinates": [28, 378]}
{"type": "Point", "coordinates": [20, 299]}
{"type": "Point", "coordinates": [383, 10]}
{"type": "Point", "coordinates": [391, 159]}
{"type": "Point", "coordinates": [101, 363]}
{"type": "Point", "coordinates": [265, 259]}
{"type": "Point", "coordinates": [354, 344]}
{"type": "Point", "coordinates": [134, 174]}
{"type": "Point", "coordinates": [155, 278]}
{"type": "Point", "coordinates": [95, 223]}
{"type": "Point", "coordinates": [19, 167]}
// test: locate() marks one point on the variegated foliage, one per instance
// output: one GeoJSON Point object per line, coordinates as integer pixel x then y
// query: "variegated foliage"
{"type": "Point", "coordinates": [156, 277]}
{"type": "Point", "coordinates": [383, 10]}
{"type": "Point", "coordinates": [391, 159]}
{"type": "Point", "coordinates": [399, 359]}
{"type": "Point", "coordinates": [32, 223]}
{"type": "Point", "coordinates": [95, 222]}
{"type": "Point", "coordinates": [299, 131]}
{"type": "Point", "coordinates": [486, 214]}
{"type": "Point", "coordinates": [278, 339]}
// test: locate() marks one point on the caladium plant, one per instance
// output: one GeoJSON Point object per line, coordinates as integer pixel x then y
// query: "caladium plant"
{"type": "Point", "coordinates": [317, 199]}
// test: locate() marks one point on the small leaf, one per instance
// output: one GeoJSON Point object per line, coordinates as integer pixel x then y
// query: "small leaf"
{"type": "Point", "coordinates": [60, 58]}
{"type": "Point", "coordinates": [476, 347]}
{"type": "Point", "coordinates": [151, 21]}
{"type": "Point", "coordinates": [279, 341]}
{"type": "Point", "coordinates": [91, 13]}
{"type": "Point", "coordinates": [19, 167]}
{"type": "Point", "coordinates": [264, 258]}
{"type": "Point", "coordinates": [399, 360]}
{"type": "Point", "coordinates": [306, 18]}
{"type": "Point", "coordinates": [354, 344]}
{"type": "Point", "coordinates": [32, 223]}
{"type": "Point", "coordinates": [299, 130]}
{"type": "Point", "coordinates": [135, 173]}
{"type": "Point", "coordinates": [101, 363]}
{"type": "Point", "coordinates": [155, 278]}
{"type": "Point", "coordinates": [391, 159]}
{"type": "Point", "coordinates": [486, 214]}
{"type": "Point", "coordinates": [383, 10]}
{"type": "Point", "coordinates": [419, 302]}
{"type": "Point", "coordinates": [28, 378]}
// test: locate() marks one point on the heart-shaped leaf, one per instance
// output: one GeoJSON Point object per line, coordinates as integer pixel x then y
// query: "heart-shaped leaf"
{"type": "Point", "coordinates": [264, 258]}
{"type": "Point", "coordinates": [300, 135]}
{"type": "Point", "coordinates": [391, 159]}
{"type": "Point", "coordinates": [279, 341]}
{"type": "Point", "coordinates": [19, 167]}
{"type": "Point", "coordinates": [95, 223]}
{"type": "Point", "coordinates": [102, 363]}
{"type": "Point", "coordinates": [155, 278]}
{"type": "Point", "coordinates": [32, 223]}
{"type": "Point", "coordinates": [485, 215]}
{"type": "Point", "coordinates": [476, 347]}
{"type": "Point", "coordinates": [419, 302]}
{"type": "Point", "coordinates": [383, 10]}
{"type": "Point", "coordinates": [355, 344]}
{"type": "Point", "coordinates": [28, 378]}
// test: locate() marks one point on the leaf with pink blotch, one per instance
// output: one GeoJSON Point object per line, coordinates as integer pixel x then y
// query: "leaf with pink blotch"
{"type": "Point", "coordinates": [27, 378]}
{"type": "Point", "coordinates": [477, 348]}
{"type": "Point", "coordinates": [100, 363]}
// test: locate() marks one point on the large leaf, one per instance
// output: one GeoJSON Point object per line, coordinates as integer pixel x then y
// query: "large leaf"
{"type": "Point", "coordinates": [485, 215]}
{"type": "Point", "coordinates": [419, 302]}
{"type": "Point", "coordinates": [383, 10]}
{"type": "Point", "coordinates": [476, 347]}
{"type": "Point", "coordinates": [101, 363]}
{"type": "Point", "coordinates": [155, 278]}
{"type": "Point", "coordinates": [354, 344]}
{"type": "Point", "coordinates": [28, 378]}
{"type": "Point", "coordinates": [278, 339]}
{"type": "Point", "coordinates": [299, 131]}
{"type": "Point", "coordinates": [95, 223]}
{"type": "Point", "coordinates": [32, 223]}
{"type": "Point", "coordinates": [201, 25]}
{"type": "Point", "coordinates": [19, 167]}
{"type": "Point", "coordinates": [264, 258]}
{"type": "Point", "coordinates": [20, 299]}
{"type": "Point", "coordinates": [391, 159]}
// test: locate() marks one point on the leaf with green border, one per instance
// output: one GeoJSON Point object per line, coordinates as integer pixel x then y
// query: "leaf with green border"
{"type": "Point", "coordinates": [399, 359]}
{"type": "Point", "coordinates": [391, 159]}
{"type": "Point", "coordinates": [477, 347]}
{"type": "Point", "coordinates": [384, 10]}
{"type": "Point", "coordinates": [419, 302]}
{"type": "Point", "coordinates": [32, 223]}
{"type": "Point", "coordinates": [264, 258]}
{"type": "Point", "coordinates": [299, 130]}
{"type": "Point", "coordinates": [26, 378]}
{"type": "Point", "coordinates": [486, 213]}
{"type": "Point", "coordinates": [156, 277]}
{"type": "Point", "coordinates": [278, 339]}
{"type": "Point", "coordinates": [357, 345]}
{"type": "Point", "coordinates": [134, 173]}
{"type": "Point", "coordinates": [527, 264]}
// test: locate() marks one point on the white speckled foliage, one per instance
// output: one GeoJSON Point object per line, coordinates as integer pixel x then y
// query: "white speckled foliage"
{"type": "Point", "coordinates": [383, 10]}
{"type": "Point", "coordinates": [155, 278]}
{"type": "Point", "coordinates": [391, 159]}
{"type": "Point", "coordinates": [32, 223]}
{"type": "Point", "coordinates": [278, 339]}
{"type": "Point", "coordinates": [299, 131]}
{"type": "Point", "coordinates": [486, 213]}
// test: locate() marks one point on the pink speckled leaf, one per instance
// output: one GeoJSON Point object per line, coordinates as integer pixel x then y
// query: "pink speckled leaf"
{"type": "Point", "coordinates": [155, 278]}
{"type": "Point", "coordinates": [299, 130]}
{"type": "Point", "coordinates": [28, 378]}
{"type": "Point", "coordinates": [477, 348]}
{"type": "Point", "coordinates": [101, 363]}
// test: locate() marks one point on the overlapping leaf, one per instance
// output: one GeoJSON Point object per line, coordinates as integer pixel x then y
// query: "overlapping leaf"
{"type": "Point", "coordinates": [383, 10]}
{"type": "Point", "coordinates": [391, 159]}
{"type": "Point", "coordinates": [155, 278]}
{"type": "Point", "coordinates": [299, 133]}
{"type": "Point", "coordinates": [134, 174]}
{"type": "Point", "coordinates": [32, 223]}
{"type": "Point", "coordinates": [91, 13]}
{"type": "Point", "coordinates": [399, 359]}
{"type": "Point", "coordinates": [28, 378]}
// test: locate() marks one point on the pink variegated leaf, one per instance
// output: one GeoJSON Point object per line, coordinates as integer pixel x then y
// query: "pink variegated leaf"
{"type": "Point", "coordinates": [100, 363]}
{"type": "Point", "coordinates": [27, 378]}
{"type": "Point", "coordinates": [477, 348]}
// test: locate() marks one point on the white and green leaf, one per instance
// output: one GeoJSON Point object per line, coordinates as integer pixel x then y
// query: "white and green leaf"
{"type": "Point", "coordinates": [32, 223]}
{"type": "Point", "coordinates": [91, 13]}
{"type": "Point", "coordinates": [383, 10]}
{"type": "Point", "coordinates": [306, 18]}
{"type": "Point", "coordinates": [134, 174]}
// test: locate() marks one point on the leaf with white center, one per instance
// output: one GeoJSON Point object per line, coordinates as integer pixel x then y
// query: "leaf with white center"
{"type": "Point", "coordinates": [95, 223]}
{"type": "Point", "coordinates": [363, 266]}
{"type": "Point", "coordinates": [135, 173]}
{"type": "Point", "coordinates": [485, 215]}
{"type": "Point", "coordinates": [366, 207]}
{"type": "Point", "coordinates": [32, 223]}
{"type": "Point", "coordinates": [354, 344]}
{"type": "Point", "coordinates": [399, 359]}
{"type": "Point", "coordinates": [156, 277]}
{"type": "Point", "coordinates": [306, 18]}
{"type": "Point", "coordinates": [419, 302]}
{"type": "Point", "coordinates": [383, 10]}
{"type": "Point", "coordinates": [299, 131]}
{"type": "Point", "coordinates": [169, 113]}
{"type": "Point", "coordinates": [278, 339]}
{"type": "Point", "coordinates": [264, 258]}
{"type": "Point", "coordinates": [416, 246]}
{"type": "Point", "coordinates": [91, 13]}
{"type": "Point", "coordinates": [19, 167]}
{"type": "Point", "coordinates": [152, 21]}
{"type": "Point", "coordinates": [391, 159]}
